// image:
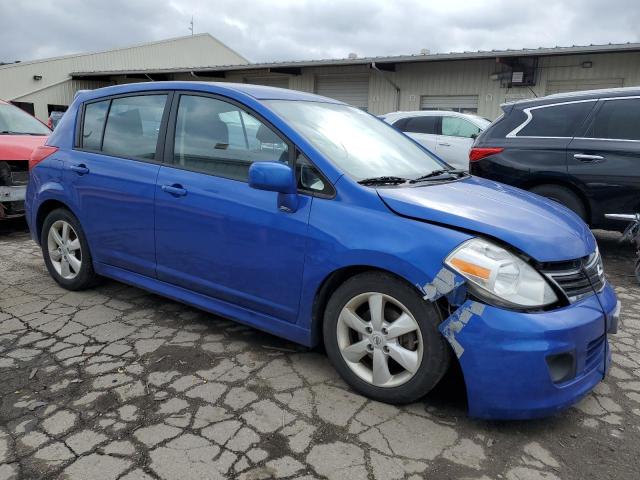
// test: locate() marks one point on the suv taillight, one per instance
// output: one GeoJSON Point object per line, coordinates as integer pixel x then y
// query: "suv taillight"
{"type": "Point", "coordinates": [39, 154]}
{"type": "Point", "coordinates": [478, 153]}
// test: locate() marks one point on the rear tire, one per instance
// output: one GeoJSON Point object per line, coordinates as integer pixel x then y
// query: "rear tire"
{"type": "Point", "coordinates": [66, 252]}
{"type": "Point", "coordinates": [563, 196]}
{"type": "Point", "coordinates": [397, 359]}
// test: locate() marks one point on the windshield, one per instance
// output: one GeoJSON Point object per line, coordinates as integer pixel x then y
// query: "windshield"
{"type": "Point", "coordinates": [356, 142]}
{"type": "Point", "coordinates": [14, 121]}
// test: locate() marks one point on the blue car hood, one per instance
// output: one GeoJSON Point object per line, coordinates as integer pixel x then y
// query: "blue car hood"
{"type": "Point", "coordinates": [544, 230]}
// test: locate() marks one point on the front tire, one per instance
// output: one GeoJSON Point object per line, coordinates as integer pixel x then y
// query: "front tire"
{"type": "Point", "coordinates": [66, 252]}
{"type": "Point", "coordinates": [383, 338]}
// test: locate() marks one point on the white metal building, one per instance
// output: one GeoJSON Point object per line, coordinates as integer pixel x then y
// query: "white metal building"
{"type": "Point", "coordinates": [41, 86]}
{"type": "Point", "coordinates": [468, 81]}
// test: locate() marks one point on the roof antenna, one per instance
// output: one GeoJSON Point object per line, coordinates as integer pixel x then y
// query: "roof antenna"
{"type": "Point", "coordinates": [191, 25]}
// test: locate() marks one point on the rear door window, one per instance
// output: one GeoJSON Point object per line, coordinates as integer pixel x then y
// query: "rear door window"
{"type": "Point", "coordinates": [93, 126]}
{"type": "Point", "coordinates": [216, 137]}
{"type": "Point", "coordinates": [459, 127]}
{"type": "Point", "coordinates": [422, 124]}
{"type": "Point", "coordinates": [617, 119]}
{"type": "Point", "coordinates": [133, 126]}
{"type": "Point", "coordinates": [556, 121]}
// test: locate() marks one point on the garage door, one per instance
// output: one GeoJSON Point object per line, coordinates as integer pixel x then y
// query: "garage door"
{"type": "Point", "coordinates": [563, 86]}
{"type": "Point", "coordinates": [455, 103]}
{"type": "Point", "coordinates": [280, 82]}
{"type": "Point", "coordinates": [351, 89]}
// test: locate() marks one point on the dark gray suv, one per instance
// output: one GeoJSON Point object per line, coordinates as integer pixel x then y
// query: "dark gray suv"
{"type": "Point", "coordinates": [581, 149]}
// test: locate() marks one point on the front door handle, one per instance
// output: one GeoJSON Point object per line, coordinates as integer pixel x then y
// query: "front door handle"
{"type": "Point", "coordinates": [588, 158]}
{"type": "Point", "coordinates": [79, 169]}
{"type": "Point", "coordinates": [444, 144]}
{"type": "Point", "coordinates": [175, 190]}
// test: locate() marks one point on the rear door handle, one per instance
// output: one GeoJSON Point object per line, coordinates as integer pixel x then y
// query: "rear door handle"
{"type": "Point", "coordinates": [588, 158]}
{"type": "Point", "coordinates": [175, 190]}
{"type": "Point", "coordinates": [79, 169]}
{"type": "Point", "coordinates": [444, 144]}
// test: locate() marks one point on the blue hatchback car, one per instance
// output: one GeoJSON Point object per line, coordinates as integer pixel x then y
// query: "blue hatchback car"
{"type": "Point", "coordinates": [315, 221]}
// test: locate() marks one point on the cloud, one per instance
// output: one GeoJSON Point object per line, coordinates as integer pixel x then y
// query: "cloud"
{"type": "Point", "coordinates": [304, 29]}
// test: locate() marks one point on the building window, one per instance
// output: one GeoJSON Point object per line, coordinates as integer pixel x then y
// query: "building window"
{"type": "Point", "coordinates": [56, 108]}
{"type": "Point", "coordinates": [452, 103]}
{"type": "Point", "coordinates": [26, 106]}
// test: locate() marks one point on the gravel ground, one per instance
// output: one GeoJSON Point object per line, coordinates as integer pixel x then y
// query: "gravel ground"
{"type": "Point", "coordinates": [116, 383]}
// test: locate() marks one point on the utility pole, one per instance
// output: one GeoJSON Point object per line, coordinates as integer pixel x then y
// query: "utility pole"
{"type": "Point", "coordinates": [191, 25]}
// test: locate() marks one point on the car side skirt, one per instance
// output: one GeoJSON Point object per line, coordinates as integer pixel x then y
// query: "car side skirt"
{"type": "Point", "coordinates": [229, 311]}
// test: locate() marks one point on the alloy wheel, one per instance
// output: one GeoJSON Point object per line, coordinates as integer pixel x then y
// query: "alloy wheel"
{"type": "Point", "coordinates": [65, 251]}
{"type": "Point", "coordinates": [379, 339]}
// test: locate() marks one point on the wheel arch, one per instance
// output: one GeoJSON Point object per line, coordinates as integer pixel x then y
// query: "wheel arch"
{"type": "Point", "coordinates": [45, 209]}
{"type": "Point", "coordinates": [331, 283]}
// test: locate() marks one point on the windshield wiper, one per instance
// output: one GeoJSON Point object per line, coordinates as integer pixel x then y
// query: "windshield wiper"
{"type": "Point", "coordinates": [9, 132]}
{"type": "Point", "coordinates": [384, 180]}
{"type": "Point", "coordinates": [437, 173]}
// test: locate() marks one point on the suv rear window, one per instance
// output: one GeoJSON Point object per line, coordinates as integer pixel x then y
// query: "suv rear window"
{"type": "Point", "coordinates": [617, 119]}
{"type": "Point", "coordinates": [556, 121]}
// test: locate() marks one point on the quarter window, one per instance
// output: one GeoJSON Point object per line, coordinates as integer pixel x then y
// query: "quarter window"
{"type": "Point", "coordinates": [133, 126]}
{"type": "Point", "coordinates": [556, 121]}
{"type": "Point", "coordinates": [218, 138]}
{"type": "Point", "coordinates": [309, 177]}
{"type": "Point", "coordinates": [459, 127]}
{"type": "Point", "coordinates": [94, 116]}
{"type": "Point", "coordinates": [617, 119]}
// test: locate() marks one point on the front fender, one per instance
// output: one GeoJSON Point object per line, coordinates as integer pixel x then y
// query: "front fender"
{"type": "Point", "coordinates": [342, 235]}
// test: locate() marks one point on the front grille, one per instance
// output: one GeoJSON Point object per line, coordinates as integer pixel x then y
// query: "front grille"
{"type": "Point", "coordinates": [595, 350]}
{"type": "Point", "coordinates": [577, 278]}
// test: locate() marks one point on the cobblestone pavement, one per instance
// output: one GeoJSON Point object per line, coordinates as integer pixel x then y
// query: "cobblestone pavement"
{"type": "Point", "coordinates": [116, 383]}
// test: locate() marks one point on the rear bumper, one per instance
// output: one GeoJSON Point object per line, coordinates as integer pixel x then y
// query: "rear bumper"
{"type": "Point", "coordinates": [504, 361]}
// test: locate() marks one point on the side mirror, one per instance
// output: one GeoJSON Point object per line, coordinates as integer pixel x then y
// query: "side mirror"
{"type": "Point", "coordinates": [276, 177]}
{"type": "Point", "coordinates": [272, 176]}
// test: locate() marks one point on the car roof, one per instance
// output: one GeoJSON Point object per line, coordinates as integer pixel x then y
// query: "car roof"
{"type": "Point", "coordinates": [573, 96]}
{"type": "Point", "coordinates": [431, 113]}
{"type": "Point", "coordinates": [258, 92]}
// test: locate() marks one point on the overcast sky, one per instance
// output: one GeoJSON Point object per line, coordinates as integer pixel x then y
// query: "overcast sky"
{"type": "Point", "coordinates": [263, 30]}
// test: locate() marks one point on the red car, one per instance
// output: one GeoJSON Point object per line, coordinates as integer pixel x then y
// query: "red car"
{"type": "Point", "coordinates": [20, 134]}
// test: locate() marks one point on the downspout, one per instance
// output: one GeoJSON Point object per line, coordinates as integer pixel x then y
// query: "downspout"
{"type": "Point", "coordinates": [393, 84]}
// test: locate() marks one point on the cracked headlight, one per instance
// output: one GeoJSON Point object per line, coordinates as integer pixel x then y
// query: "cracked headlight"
{"type": "Point", "coordinates": [500, 275]}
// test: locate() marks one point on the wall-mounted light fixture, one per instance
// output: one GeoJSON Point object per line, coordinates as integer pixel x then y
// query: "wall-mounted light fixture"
{"type": "Point", "coordinates": [587, 64]}
{"type": "Point", "coordinates": [37, 77]}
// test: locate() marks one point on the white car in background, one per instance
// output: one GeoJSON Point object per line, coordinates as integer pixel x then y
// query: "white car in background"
{"type": "Point", "coordinates": [447, 134]}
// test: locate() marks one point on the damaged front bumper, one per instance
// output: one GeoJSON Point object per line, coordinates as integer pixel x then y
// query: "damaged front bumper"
{"type": "Point", "coordinates": [507, 357]}
{"type": "Point", "coordinates": [12, 200]}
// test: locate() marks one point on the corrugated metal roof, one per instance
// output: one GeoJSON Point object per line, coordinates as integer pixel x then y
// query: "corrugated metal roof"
{"type": "Point", "coordinates": [470, 55]}
{"type": "Point", "coordinates": [128, 47]}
